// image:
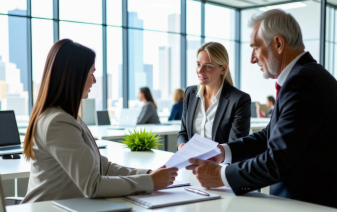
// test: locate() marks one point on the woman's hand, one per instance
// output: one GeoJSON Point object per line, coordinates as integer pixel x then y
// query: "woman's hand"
{"type": "Point", "coordinates": [163, 177]}
{"type": "Point", "coordinates": [181, 145]}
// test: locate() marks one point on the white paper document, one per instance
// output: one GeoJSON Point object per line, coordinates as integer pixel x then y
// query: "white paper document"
{"type": "Point", "coordinates": [197, 147]}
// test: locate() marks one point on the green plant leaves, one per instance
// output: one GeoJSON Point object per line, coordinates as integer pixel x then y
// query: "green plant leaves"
{"type": "Point", "coordinates": [142, 140]}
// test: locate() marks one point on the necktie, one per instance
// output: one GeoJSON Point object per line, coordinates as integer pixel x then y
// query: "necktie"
{"type": "Point", "coordinates": [278, 87]}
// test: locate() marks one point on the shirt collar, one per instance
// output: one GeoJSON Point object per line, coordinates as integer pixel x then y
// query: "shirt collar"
{"type": "Point", "coordinates": [284, 74]}
{"type": "Point", "coordinates": [200, 93]}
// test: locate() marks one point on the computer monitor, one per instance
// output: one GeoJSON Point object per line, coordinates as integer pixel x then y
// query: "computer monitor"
{"type": "Point", "coordinates": [9, 133]}
{"type": "Point", "coordinates": [102, 117]}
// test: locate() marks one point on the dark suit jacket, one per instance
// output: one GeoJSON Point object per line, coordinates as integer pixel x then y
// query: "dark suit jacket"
{"type": "Point", "coordinates": [177, 111]}
{"type": "Point", "coordinates": [232, 119]}
{"type": "Point", "coordinates": [296, 152]}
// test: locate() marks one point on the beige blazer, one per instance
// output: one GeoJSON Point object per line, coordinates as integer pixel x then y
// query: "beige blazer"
{"type": "Point", "coordinates": [68, 164]}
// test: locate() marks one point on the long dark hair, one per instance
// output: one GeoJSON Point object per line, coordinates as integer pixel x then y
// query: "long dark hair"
{"type": "Point", "coordinates": [64, 77]}
{"type": "Point", "coordinates": [147, 95]}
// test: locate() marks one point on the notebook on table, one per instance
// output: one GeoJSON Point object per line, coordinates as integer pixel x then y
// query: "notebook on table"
{"type": "Point", "coordinates": [90, 205]}
{"type": "Point", "coordinates": [168, 197]}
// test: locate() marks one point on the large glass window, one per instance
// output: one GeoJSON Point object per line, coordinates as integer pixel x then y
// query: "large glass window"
{"type": "Point", "coordinates": [154, 61]}
{"type": "Point", "coordinates": [42, 8]}
{"type": "Point", "coordinates": [18, 7]}
{"type": "Point", "coordinates": [193, 44]}
{"type": "Point", "coordinates": [14, 63]}
{"type": "Point", "coordinates": [42, 41]}
{"type": "Point", "coordinates": [114, 72]}
{"type": "Point", "coordinates": [114, 12]}
{"type": "Point", "coordinates": [221, 31]}
{"type": "Point", "coordinates": [89, 35]}
{"type": "Point", "coordinates": [81, 10]}
{"type": "Point", "coordinates": [161, 15]}
{"type": "Point", "coordinates": [193, 17]}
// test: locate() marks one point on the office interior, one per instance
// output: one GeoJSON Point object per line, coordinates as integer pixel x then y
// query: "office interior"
{"type": "Point", "coordinates": [141, 43]}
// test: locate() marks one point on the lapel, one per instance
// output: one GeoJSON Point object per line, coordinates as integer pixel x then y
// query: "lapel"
{"type": "Point", "coordinates": [306, 58]}
{"type": "Point", "coordinates": [193, 102]}
{"type": "Point", "coordinates": [223, 102]}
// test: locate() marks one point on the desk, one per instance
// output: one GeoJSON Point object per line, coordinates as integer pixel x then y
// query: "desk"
{"type": "Point", "coordinates": [105, 132]}
{"type": "Point", "coordinates": [253, 201]}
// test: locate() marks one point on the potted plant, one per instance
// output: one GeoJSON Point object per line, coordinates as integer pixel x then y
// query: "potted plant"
{"type": "Point", "coordinates": [142, 140]}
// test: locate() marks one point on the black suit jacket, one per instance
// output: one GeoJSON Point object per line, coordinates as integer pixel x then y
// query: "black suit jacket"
{"type": "Point", "coordinates": [296, 152]}
{"type": "Point", "coordinates": [232, 118]}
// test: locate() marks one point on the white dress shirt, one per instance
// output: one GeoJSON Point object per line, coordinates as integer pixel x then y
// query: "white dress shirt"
{"type": "Point", "coordinates": [228, 154]}
{"type": "Point", "coordinates": [203, 121]}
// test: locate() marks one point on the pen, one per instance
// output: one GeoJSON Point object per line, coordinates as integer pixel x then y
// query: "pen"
{"type": "Point", "coordinates": [196, 191]}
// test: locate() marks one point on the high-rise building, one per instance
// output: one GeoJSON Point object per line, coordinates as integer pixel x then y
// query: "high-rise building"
{"type": "Point", "coordinates": [174, 44]}
{"type": "Point", "coordinates": [191, 55]}
{"type": "Point", "coordinates": [148, 69]}
{"type": "Point", "coordinates": [136, 62]}
{"type": "Point", "coordinates": [18, 44]}
{"type": "Point", "coordinates": [165, 71]}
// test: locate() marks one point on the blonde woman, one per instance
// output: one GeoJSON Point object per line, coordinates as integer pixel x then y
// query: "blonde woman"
{"type": "Point", "coordinates": [177, 108]}
{"type": "Point", "coordinates": [214, 109]}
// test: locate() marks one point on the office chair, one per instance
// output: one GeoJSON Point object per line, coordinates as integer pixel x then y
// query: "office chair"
{"type": "Point", "coordinates": [2, 198]}
{"type": "Point", "coordinates": [102, 117]}
{"type": "Point", "coordinates": [17, 200]}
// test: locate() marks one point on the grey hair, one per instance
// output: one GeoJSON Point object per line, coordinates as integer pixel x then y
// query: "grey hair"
{"type": "Point", "coordinates": [278, 22]}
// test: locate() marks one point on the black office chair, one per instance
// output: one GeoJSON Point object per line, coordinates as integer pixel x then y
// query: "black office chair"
{"type": "Point", "coordinates": [102, 117]}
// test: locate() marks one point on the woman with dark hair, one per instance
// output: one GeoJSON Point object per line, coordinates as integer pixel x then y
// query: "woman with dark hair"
{"type": "Point", "coordinates": [148, 115]}
{"type": "Point", "coordinates": [65, 160]}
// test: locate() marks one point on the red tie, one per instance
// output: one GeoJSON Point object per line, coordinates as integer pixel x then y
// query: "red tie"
{"type": "Point", "coordinates": [278, 87]}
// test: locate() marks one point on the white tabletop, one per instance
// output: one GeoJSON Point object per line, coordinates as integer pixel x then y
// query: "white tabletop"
{"type": "Point", "coordinates": [108, 133]}
{"type": "Point", "coordinates": [253, 201]}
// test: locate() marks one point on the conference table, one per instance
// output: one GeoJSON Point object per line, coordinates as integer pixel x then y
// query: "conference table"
{"type": "Point", "coordinates": [117, 153]}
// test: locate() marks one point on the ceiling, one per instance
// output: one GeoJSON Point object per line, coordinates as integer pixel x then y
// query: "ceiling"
{"type": "Point", "coordinates": [256, 3]}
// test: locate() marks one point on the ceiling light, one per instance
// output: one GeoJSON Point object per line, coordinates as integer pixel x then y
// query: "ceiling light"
{"type": "Point", "coordinates": [284, 6]}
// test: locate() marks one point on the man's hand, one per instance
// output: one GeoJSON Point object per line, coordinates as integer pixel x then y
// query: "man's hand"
{"type": "Point", "coordinates": [257, 104]}
{"type": "Point", "coordinates": [207, 172]}
{"type": "Point", "coordinates": [220, 157]}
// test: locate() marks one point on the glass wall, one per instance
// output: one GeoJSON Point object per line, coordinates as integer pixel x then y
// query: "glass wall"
{"type": "Point", "coordinates": [252, 82]}
{"type": "Point", "coordinates": [14, 57]}
{"type": "Point", "coordinates": [219, 27]}
{"type": "Point", "coordinates": [153, 46]}
{"type": "Point", "coordinates": [154, 50]}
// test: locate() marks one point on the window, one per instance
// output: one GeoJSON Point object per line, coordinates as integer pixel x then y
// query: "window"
{"type": "Point", "coordinates": [193, 44]}
{"type": "Point", "coordinates": [14, 63]}
{"type": "Point", "coordinates": [114, 72]}
{"type": "Point", "coordinates": [193, 17]}
{"type": "Point", "coordinates": [221, 31]}
{"type": "Point", "coordinates": [42, 41]}
{"type": "Point", "coordinates": [114, 12]}
{"type": "Point", "coordinates": [89, 35]}
{"type": "Point", "coordinates": [154, 61]}
{"type": "Point", "coordinates": [42, 8]}
{"type": "Point", "coordinates": [81, 10]}
{"type": "Point", "coordinates": [161, 15]}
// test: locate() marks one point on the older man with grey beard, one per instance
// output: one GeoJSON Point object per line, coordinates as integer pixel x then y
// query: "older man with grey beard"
{"type": "Point", "coordinates": [296, 153]}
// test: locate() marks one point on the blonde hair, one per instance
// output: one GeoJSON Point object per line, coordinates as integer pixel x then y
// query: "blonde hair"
{"type": "Point", "coordinates": [178, 95]}
{"type": "Point", "coordinates": [218, 53]}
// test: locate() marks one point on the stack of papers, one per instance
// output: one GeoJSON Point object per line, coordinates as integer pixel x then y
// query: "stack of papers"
{"type": "Point", "coordinates": [197, 147]}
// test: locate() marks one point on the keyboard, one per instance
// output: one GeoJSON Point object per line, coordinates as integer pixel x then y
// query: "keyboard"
{"type": "Point", "coordinates": [11, 148]}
